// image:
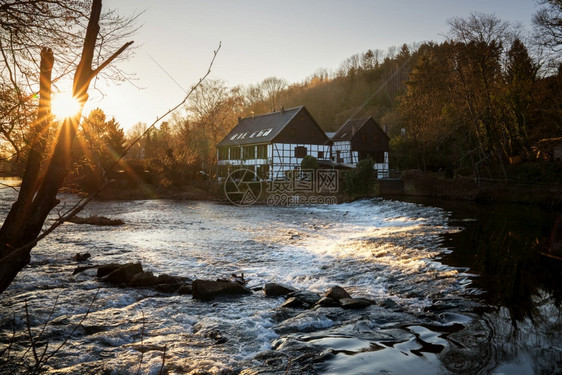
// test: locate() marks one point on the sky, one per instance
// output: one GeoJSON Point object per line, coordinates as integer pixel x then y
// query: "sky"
{"type": "Point", "coordinates": [289, 39]}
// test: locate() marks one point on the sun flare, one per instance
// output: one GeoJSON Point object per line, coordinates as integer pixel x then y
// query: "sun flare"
{"type": "Point", "coordinates": [64, 105]}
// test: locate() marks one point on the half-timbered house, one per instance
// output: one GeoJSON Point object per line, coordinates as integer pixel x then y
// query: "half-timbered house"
{"type": "Point", "coordinates": [360, 139]}
{"type": "Point", "coordinates": [272, 144]}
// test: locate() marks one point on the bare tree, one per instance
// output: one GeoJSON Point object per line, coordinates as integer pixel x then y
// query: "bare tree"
{"type": "Point", "coordinates": [265, 96]}
{"type": "Point", "coordinates": [548, 25]}
{"type": "Point", "coordinates": [44, 174]}
{"type": "Point", "coordinates": [480, 28]}
{"type": "Point", "coordinates": [213, 108]}
{"type": "Point", "coordinates": [272, 87]}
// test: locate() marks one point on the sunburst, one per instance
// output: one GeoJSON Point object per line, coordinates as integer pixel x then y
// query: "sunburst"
{"type": "Point", "coordinates": [63, 105]}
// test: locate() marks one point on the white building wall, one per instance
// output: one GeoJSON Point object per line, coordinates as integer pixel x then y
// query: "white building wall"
{"type": "Point", "coordinates": [280, 158]}
{"type": "Point", "coordinates": [344, 148]}
{"type": "Point", "coordinates": [382, 169]}
{"type": "Point", "coordinates": [352, 158]}
{"type": "Point", "coordinates": [283, 157]}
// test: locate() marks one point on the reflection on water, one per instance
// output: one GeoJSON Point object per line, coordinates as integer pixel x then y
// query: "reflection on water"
{"type": "Point", "coordinates": [506, 247]}
{"type": "Point", "coordinates": [509, 249]}
{"type": "Point", "coordinates": [457, 289]}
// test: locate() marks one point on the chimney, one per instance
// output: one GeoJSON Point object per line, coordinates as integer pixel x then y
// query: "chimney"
{"type": "Point", "coordinates": [239, 119]}
{"type": "Point", "coordinates": [282, 109]}
{"type": "Point", "coordinates": [353, 130]}
{"type": "Point", "coordinates": [253, 114]}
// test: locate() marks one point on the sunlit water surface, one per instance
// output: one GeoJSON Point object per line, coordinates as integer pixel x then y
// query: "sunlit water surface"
{"type": "Point", "coordinates": [429, 317]}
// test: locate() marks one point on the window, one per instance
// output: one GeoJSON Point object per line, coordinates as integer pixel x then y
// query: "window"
{"type": "Point", "coordinates": [249, 152]}
{"type": "Point", "coordinates": [320, 154]}
{"type": "Point", "coordinates": [262, 152]}
{"type": "Point", "coordinates": [235, 153]}
{"type": "Point", "coordinates": [300, 152]}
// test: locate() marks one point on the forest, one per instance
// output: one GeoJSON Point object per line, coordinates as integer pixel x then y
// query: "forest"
{"type": "Point", "coordinates": [484, 103]}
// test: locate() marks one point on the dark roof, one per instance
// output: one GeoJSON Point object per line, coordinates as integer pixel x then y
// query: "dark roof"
{"type": "Point", "coordinates": [348, 130]}
{"type": "Point", "coordinates": [259, 129]}
{"type": "Point", "coordinates": [351, 127]}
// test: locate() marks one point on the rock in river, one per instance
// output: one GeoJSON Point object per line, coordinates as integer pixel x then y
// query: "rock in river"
{"type": "Point", "coordinates": [354, 303]}
{"type": "Point", "coordinates": [123, 274]}
{"type": "Point", "coordinates": [276, 290]}
{"type": "Point", "coordinates": [207, 290]}
{"type": "Point", "coordinates": [337, 293]}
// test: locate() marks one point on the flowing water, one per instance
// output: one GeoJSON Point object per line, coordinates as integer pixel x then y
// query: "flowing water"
{"type": "Point", "coordinates": [456, 290]}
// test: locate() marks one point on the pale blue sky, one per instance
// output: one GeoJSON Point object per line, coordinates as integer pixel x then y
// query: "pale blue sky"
{"type": "Point", "coordinates": [290, 39]}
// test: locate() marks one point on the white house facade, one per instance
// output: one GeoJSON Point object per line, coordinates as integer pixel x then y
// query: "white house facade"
{"type": "Point", "coordinates": [360, 139]}
{"type": "Point", "coordinates": [272, 144]}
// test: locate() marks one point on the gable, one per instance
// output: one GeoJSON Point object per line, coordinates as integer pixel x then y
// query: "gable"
{"type": "Point", "coordinates": [370, 137]}
{"type": "Point", "coordinates": [303, 129]}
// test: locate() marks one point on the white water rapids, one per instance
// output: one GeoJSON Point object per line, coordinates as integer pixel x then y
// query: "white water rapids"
{"type": "Point", "coordinates": [387, 251]}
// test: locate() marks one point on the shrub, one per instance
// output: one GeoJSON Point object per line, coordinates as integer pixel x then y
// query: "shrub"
{"type": "Point", "coordinates": [309, 162]}
{"type": "Point", "coordinates": [360, 181]}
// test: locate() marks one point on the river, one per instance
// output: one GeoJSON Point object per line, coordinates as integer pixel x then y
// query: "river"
{"type": "Point", "coordinates": [458, 288]}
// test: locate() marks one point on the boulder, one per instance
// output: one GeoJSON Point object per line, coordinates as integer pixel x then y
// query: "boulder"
{"type": "Point", "coordinates": [327, 302]}
{"type": "Point", "coordinates": [337, 293]}
{"type": "Point", "coordinates": [124, 274]}
{"type": "Point", "coordinates": [276, 290]}
{"type": "Point", "coordinates": [82, 257]}
{"type": "Point", "coordinates": [293, 302]}
{"type": "Point", "coordinates": [184, 289]}
{"type": "Point", "coordinates": [133, 275]}
{"type": "Point", "coordinates": [143, 279]}
{"type": "Point", "coordinates": [167, 279]}
{"type": "Point", "coordinates": [207, 290]}
{"type": "Point", "coordinates": [106, 269]}
{"type": "Point", "coordinates": [307, 297]}
{"type": "Point", "coordinates": [354, 303]}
